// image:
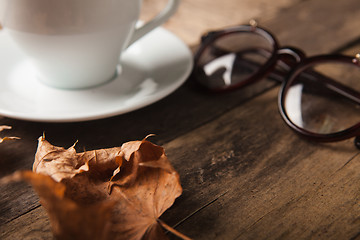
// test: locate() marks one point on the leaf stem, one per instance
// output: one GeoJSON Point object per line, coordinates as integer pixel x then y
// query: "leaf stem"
{"type": "Point", "coordinates": [173, 231]}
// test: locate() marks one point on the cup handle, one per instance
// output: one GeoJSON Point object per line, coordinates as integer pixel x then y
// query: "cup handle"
{"type": "Point", "coordinates": [162, 17]}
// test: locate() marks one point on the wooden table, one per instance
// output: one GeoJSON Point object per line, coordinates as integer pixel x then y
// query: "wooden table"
{"type": "Point", "coordinates": [245, 174]}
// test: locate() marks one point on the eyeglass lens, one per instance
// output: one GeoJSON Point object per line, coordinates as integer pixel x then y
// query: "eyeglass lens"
{"type": "Point", "coordinates": [232, 59]}
{"type": "Point", "coordinates": [315, 106]}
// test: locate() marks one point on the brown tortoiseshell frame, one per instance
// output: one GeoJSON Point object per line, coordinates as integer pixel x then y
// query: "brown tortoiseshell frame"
{"type": "Point", "coordinates": [302, 62]}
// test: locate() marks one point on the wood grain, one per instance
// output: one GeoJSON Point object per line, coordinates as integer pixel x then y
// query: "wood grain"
{"type": "Point", "coordinates": [272, 183]}
{"type": "Point", "coordinates": [245, 174]}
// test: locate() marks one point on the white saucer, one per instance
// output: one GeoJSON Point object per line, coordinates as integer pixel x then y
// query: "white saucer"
{"type": "Point", "coordinates": [152, 68]}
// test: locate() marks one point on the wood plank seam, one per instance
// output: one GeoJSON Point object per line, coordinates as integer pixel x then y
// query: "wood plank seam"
{"type": "Point", "coordinates": [352, 158]}
{"type": "Point", "coordinates": [201, 208]}
{"type": "Point", "coordinates": [22, 214]}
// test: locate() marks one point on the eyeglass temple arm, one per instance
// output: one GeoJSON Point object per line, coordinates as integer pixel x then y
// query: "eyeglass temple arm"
{"type": "Point", "coordinates": [313, 75]}
{"type": "Point", "coordinates": [329, 83]}
{"type": "Point", "coordinates": [337, 87]}
{"type": "Point", "coordinates": [286, 64]}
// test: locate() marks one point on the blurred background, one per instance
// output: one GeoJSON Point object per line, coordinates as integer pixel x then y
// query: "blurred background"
{"type": "Point", "coordinates": [195, 14]}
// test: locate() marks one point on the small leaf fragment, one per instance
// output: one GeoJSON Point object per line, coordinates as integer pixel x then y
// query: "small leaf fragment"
{"type": "Point", "coordinates": [4, 127]}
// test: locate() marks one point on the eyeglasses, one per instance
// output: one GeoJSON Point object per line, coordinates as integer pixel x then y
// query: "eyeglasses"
{"type": "Point", "coordinates": [319, 96]}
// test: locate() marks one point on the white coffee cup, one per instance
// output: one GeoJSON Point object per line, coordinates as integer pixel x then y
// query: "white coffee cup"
{"type": "Point", "coordinates": [76, 44]}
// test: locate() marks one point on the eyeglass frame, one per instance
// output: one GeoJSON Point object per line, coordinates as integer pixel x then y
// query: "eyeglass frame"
{"type": "Point", "coordinates": [302, 62]}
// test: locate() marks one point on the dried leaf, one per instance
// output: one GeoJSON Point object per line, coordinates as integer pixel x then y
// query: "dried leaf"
{"type": "Point", "coordinates": [4, 127]}
{"type": "Point", "coordinates": [116, 193]}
